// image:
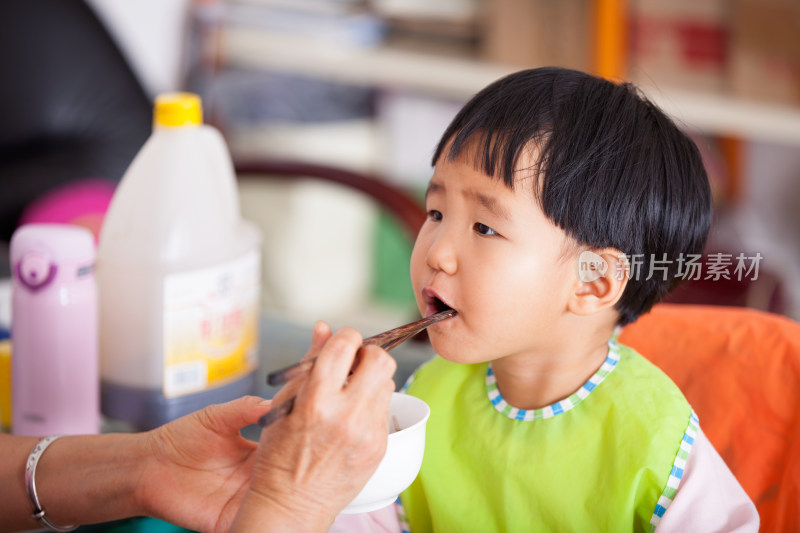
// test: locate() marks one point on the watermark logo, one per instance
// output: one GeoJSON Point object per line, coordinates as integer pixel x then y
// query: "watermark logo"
{"type": "Point", "coordinates": [690, 267]}
{"type": "Point", "coordinates": [591, 266]}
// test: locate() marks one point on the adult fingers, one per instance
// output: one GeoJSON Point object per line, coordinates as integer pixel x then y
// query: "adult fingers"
{"type": "Point", "coordinates": [370, 392]}
{"type": "Point", "coordinates": [319, 336]}
{"type": "Point", "coordinates": [334, 361]}
{"type": "Point", "coordinates": [373, 374]}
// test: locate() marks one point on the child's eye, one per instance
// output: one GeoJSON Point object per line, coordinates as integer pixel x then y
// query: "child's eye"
{"type": "Point", "coordinates": [483, 229]}
{"type": "Point", "coordinates": [435, 215]}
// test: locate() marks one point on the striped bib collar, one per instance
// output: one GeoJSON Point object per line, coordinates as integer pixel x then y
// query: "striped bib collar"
{"type": "Point", "coordinates": [556, 408]}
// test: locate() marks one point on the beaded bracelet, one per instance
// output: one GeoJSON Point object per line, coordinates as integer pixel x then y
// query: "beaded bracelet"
{"type": "Point", "coordinates": [30, 484]}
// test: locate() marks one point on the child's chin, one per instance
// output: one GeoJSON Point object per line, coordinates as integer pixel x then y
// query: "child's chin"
{"type": "Point", "coordinates": [453, 350]}
{"type": "Point", "coordinates": [440, 346]}
{"type": "Point", "coordinates": [445, 350]}
{"type": "Point", "coordinates": [459, 358]}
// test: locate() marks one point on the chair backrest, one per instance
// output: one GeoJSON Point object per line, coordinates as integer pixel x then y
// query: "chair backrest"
{"type": "Point", "coordinates": [740, 370]}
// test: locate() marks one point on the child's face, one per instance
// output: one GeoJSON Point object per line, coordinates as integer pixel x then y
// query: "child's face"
{"type": "Point", "coordinates": [491, 254]}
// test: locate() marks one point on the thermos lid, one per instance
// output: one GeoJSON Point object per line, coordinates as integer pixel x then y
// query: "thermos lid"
{"type": "Point", "coordinates": [177, 109]}
{"type": "Point", "coordinates": [38, 249]}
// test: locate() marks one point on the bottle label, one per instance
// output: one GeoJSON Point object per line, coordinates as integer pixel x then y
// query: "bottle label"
{"type": "Point", "coordinates": [211, 325]}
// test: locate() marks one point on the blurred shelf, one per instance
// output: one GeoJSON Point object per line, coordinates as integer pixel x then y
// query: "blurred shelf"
{"type": "Point", "coordinates": [374, 66]}
{"type": "Point", "coordinates": [459, 79]}
{"type": "Point", "coordinates": [730, 116]}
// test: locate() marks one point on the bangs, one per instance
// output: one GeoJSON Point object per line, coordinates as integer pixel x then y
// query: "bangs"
{"type": "Point", "coordinates": [500, 124]}
{"type": "Point", "coordinates": [500, 154]}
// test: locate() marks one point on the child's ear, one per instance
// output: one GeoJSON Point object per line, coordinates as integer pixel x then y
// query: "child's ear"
{"type": "Point", "coordinates": [602, 277]}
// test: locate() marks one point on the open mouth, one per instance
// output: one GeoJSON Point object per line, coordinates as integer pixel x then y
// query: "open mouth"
{"type": "Point", "coordinates": [439, 305]}
{"type": "Point", "coordinates": [434, 304]}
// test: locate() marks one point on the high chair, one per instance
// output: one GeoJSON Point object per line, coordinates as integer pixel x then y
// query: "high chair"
{"type": "Point", "coordinates": [740, 370]}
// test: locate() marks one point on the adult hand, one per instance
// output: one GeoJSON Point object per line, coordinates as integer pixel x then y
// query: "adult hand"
{"type": "Point", "coordinates": [314, 461]}
{"type": "Point", "coordinates": [193, 472]}
{"type": "Point", "coordinates": [199, 466]}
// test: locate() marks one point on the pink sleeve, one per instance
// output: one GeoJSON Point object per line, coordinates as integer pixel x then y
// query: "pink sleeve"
{"type": "Point", "coordinates": [709, 498]}
{"type": "Point", "coordinates": [381, 521]}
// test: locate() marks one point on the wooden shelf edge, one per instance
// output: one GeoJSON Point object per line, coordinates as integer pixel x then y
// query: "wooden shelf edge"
{"type": "Point", "coordinates": [459, 79]}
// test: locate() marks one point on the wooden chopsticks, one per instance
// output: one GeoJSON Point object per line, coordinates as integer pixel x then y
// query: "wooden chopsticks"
{"type": "Point", "coordinates": [386, 340]}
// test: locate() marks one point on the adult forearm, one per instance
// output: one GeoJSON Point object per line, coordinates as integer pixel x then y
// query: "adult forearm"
{"type": "Point", "coordinates": [79, 479]}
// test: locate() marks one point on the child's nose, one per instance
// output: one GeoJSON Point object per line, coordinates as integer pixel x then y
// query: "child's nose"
{"type": "Point", "coordinates": [442, 252]}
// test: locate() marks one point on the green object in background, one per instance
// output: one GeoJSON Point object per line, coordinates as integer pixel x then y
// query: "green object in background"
{"type": "Point", "coordinates": [391, 283]}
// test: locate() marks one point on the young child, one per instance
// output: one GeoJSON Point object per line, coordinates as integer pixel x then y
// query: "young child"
{"type": "Point", "coordinates": [539, 418]}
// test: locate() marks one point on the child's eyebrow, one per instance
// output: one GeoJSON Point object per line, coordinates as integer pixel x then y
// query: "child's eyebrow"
{"type": "Point", "coordinates": [433, 187]}
{"type": "Point", "coordinates": [489, 203]}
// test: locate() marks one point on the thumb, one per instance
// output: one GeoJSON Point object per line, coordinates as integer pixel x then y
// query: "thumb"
{"type": "Point", "coordinates": [235, 414]}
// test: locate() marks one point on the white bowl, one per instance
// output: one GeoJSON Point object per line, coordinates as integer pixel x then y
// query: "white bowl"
{"type": "Point", "coordinates": [403, 458]}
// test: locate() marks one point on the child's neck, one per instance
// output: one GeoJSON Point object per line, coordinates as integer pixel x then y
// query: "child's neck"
{"type": "Point", "coordinates": [533, 381]}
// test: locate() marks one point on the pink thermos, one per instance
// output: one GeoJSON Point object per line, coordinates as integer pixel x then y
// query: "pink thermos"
{"type": "Point", "coordinates": [54, 361]}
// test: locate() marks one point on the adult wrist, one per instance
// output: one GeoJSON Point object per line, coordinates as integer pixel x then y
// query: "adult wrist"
{"type": "Point", "coordinates": [39, 514]}
{"type": "Point", "coordinates": [146, 493]}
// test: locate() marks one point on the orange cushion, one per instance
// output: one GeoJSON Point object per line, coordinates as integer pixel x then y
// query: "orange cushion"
{"type": "Point", "coordinates": [740, 370]}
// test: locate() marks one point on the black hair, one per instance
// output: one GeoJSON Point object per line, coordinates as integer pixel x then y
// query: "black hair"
{"type": "Point", "coordinates": [613, 169]}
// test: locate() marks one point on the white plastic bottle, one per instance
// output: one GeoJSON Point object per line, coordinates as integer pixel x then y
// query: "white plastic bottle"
{"type": "Point", "coordinates": [178, 275]}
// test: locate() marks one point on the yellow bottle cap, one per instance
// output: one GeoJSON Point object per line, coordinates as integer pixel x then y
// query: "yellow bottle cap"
{"type": "Point", "coordinates": [178, 109]}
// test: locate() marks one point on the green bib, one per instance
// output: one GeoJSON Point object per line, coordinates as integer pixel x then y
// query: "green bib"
{"type": "Point", "coordinates": [608, 458]}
